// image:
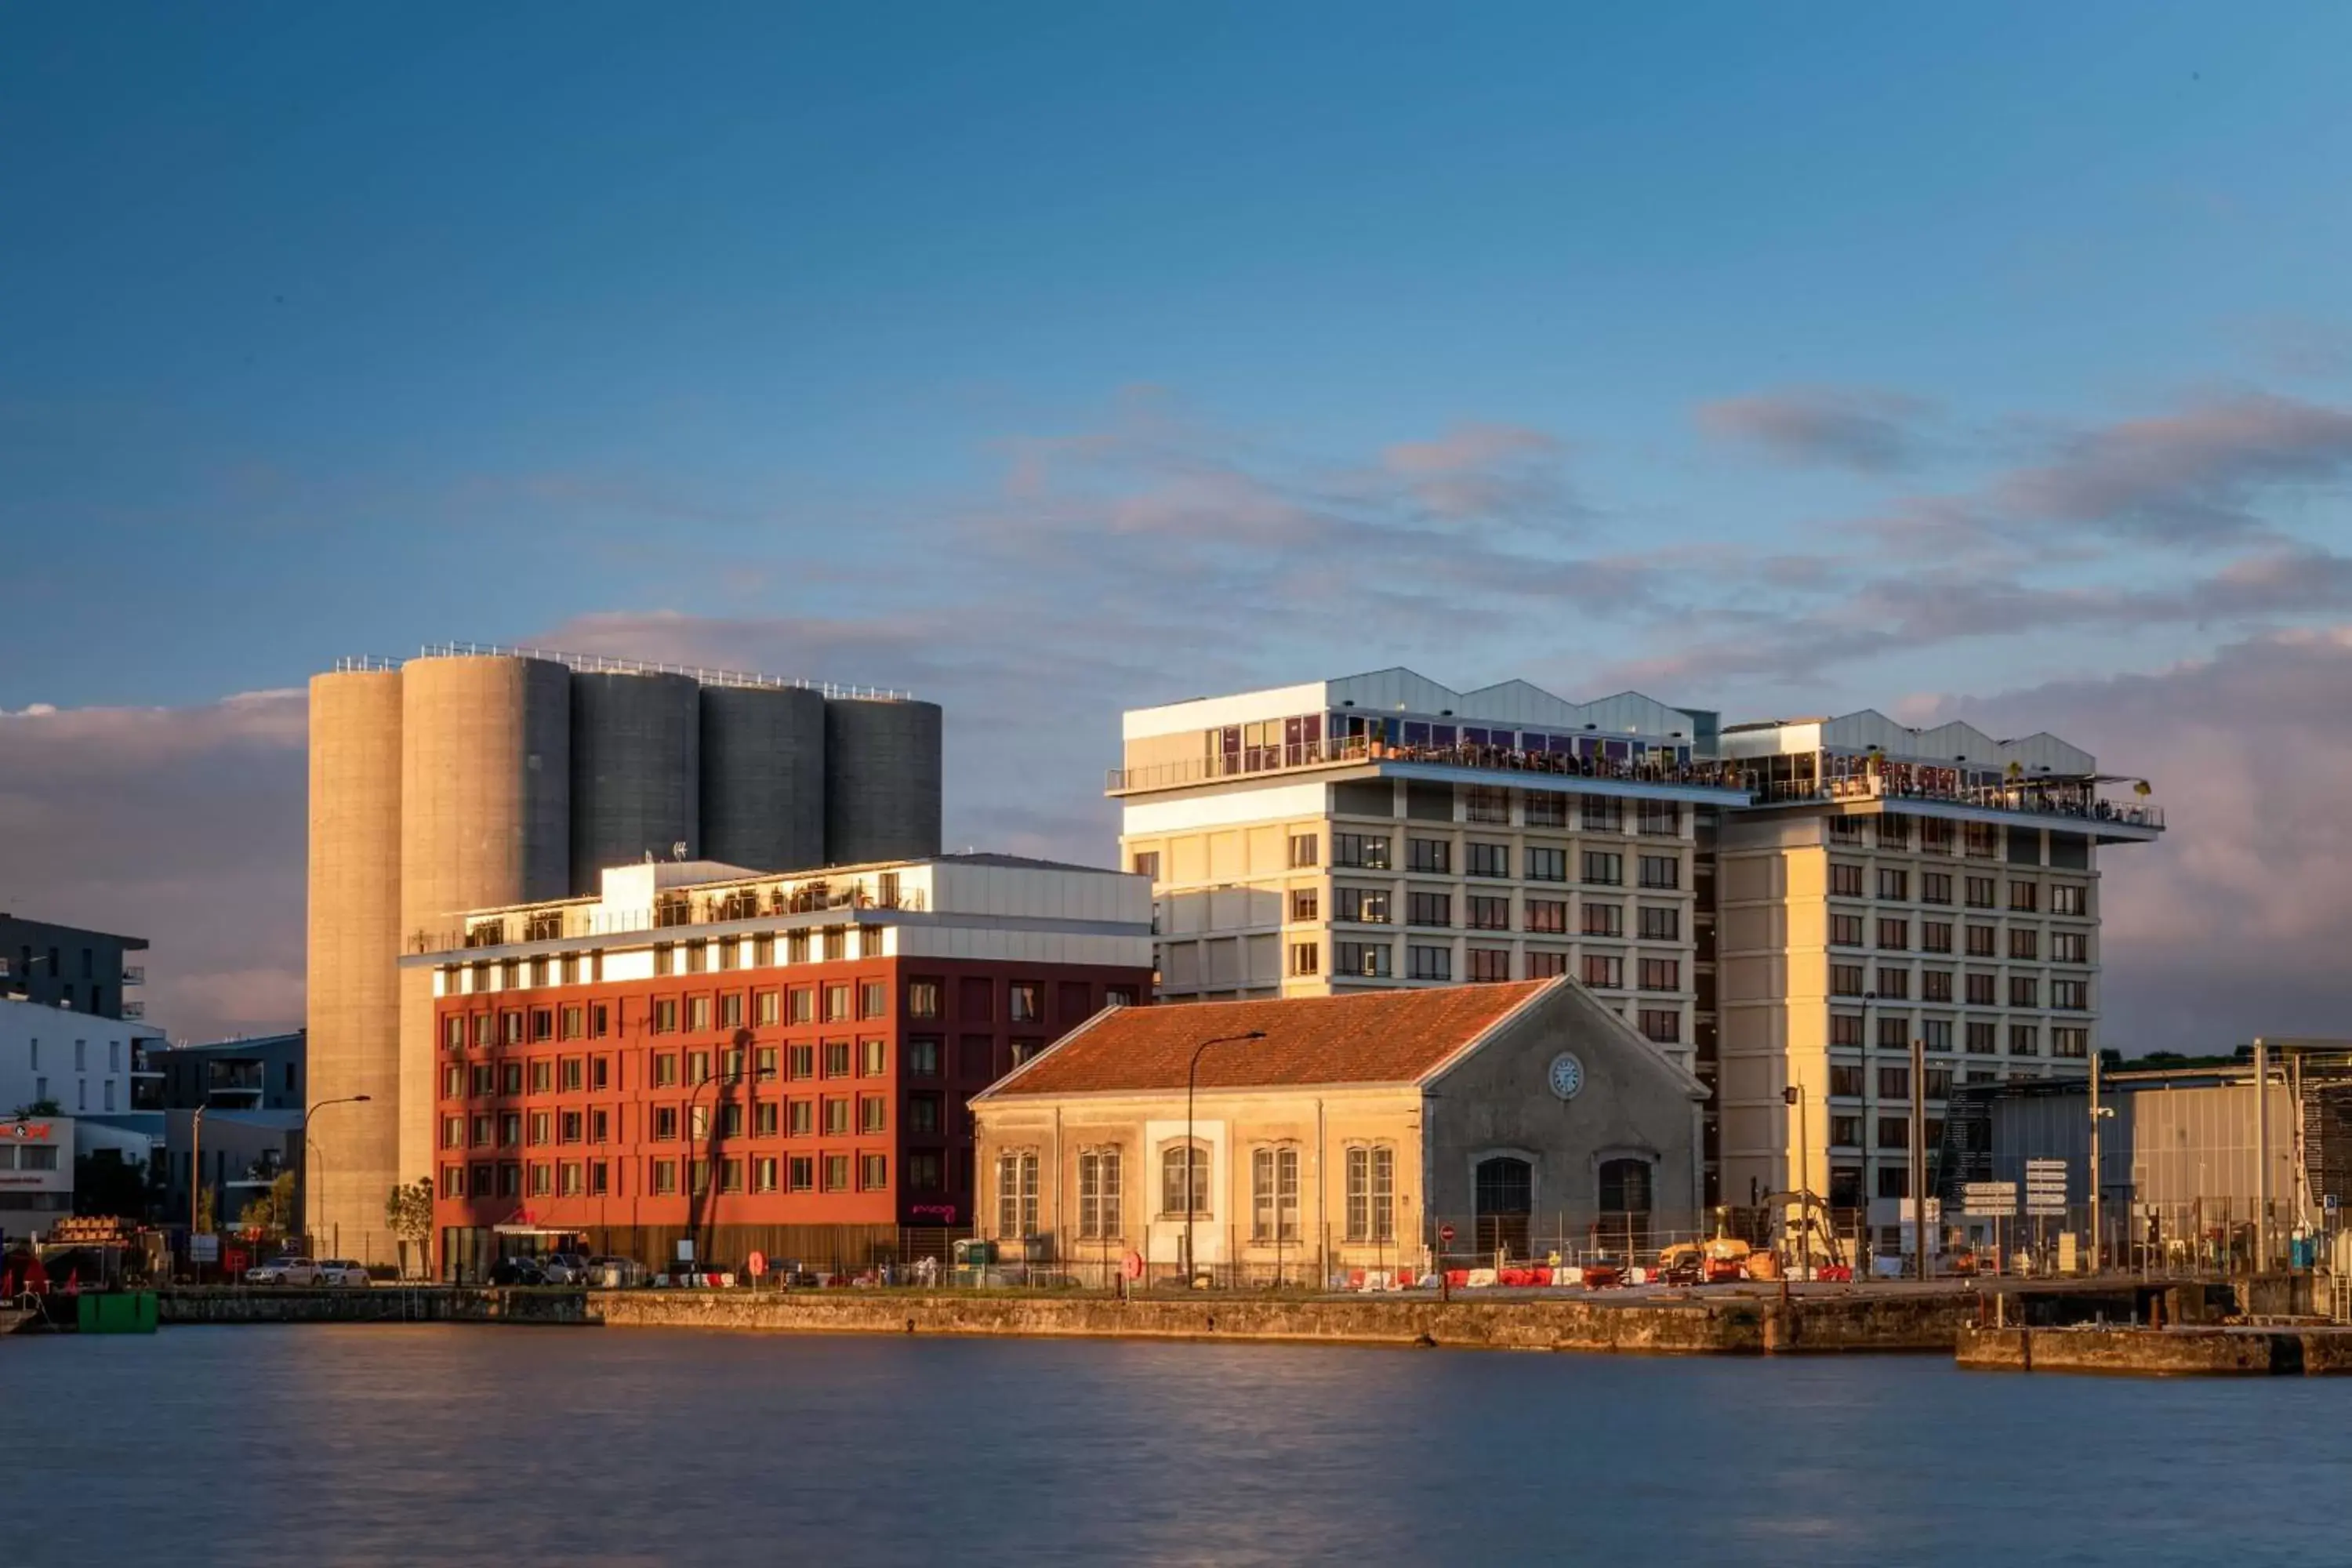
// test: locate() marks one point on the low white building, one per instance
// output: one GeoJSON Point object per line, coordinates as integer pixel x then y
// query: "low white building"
{"type": "Point", "coordinates": [37, 1174]}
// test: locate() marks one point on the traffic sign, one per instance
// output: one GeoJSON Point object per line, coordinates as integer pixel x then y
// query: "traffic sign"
{"type": "Point", "coordinates": [1989, 1200]}
{"type": "Point", "coordinates": [1446, 1235]}
{"type": "Point", "coordinates": [1131, 1265]}
{"type": "Point", "coordinates": [2045, 1187]}
{"type": "Point", "coordinates": [204, 1247]}
{"type": "Point", "coordinates": [756, 1264]}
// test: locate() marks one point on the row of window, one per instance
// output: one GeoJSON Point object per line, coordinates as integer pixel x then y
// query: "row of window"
{"type": "Point", "coordinates": [82, 1092]}
{"type": "Point", "coordinates": [1894, 935]}
{"type": "Point", "coordinates": [1848, 881]}
{"type": "Point", "coordinates": [1184, 1192]}
{"type": "Point", "coordinates": [1979, 988]}
{"type": "Point", "coordinates": [81, 1054]}
{"type": "Point", "coordinates": [926, 1115]}
{"type": "Point", "coordinates": [1935, 835]}
{"type": "Point", "coordinates": [1377, 906]}
{"type": "Point", "coordinates": [757, 1174]}
{"type": "Point", "coordinates": [1482, 859]}
{"type": "Point", "coordinates": [925, 1058]}
{"type": "Point", "coordinates": [1982, 1037]}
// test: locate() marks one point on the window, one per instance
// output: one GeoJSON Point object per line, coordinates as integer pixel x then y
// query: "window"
{"type": "Point", "coordinates": [1489, 914]}
{"type": "Point", "coordinates": [2024, 991]}
{"type": "Point", "coordinates": [1660, 924]}
{"type": "Point", "coordinates": [1118, 996]}
{"type": "Point", "coordinates": [600, 1019]}
{"type": "Point", "coordinates": [665, 955]}
{"type": "Point", "coordinates": [873, 1113]}
{"type": "Point", "coordinates": [1178, 1164]}
{"type": "Point", "coordinates": [2070, 947]}
{"type": "Point", "coordinates": [764, 1063]}
{"type": "Point", "coordinates": [1895, 1132]}
{"type": "Point", "coordinates": [1846, 980]}
{"type": "Point", "coordinates": [1483, 804]}
{"type": "Point", "coordinates": [1603, 868]}
{"type": "Point", "coordinates": [1371, 959]}
{"type": "Point", "coordinates": [453, 1133]}
{"type": "Point", "coordinates": [1366, 852]}
{"type": "Point", "coordinates": [1846, 1079]}
{"type": "Point", "coordinates": [1845, 1132]}
{"type": "Point", "coordinates": [800, 1173]}
{"type": "Point", "coordinates": [511, 1078]}
{"type": "Point", "coordinates": [1100, 1214]}
{"type": "Point", "coordinates": [511, 1028]}
{"type": "Point", "coordinates": [2069, 898]}
{"type": "Point", "coordinates": [1845, 1029]}
{"type": "Point", "coordinates": [801, 1120]}
{"type": "Point", "coordinates": [453, 1035]}
{"type": "Point", "coordinates": [730, 1010]}
{"type": "Point", "coordinates": [801, 1060]}
{"type": "Point", "coordinates": [1663, 1025]}
{"type": "Point", "coordinates": [1603, 814]}
{"type": "Point", "coordinates": [1488, 963]}
{"type": "Point", "coordinates": [1662, 974]}
{"type": "Point", "coordinates": [1845, 931]}
{"type": "Point", "coordinates": [452, 1181]}
{"type": "Point", "coordinates": [873, 1172]}
{"type": "Point", "coordinates": [923, 1056]}
{"type": "Point", "coordinates": [2069, 1041]}
{"type": "Point", "coordinates": [1025, 1007]}
{"type": "Point", "coordinates": [836, 1003]}
{"type": "Point", "coordinates": [926, 1172]}
{"type": "Point", "coordinates": [1893, 1180]}
{"type": "Point", "coordinates": [1894, 1033]}
{"type": "Point", "coordinates": [1604, 970]}
{"type": "Point", "coordinates": [1604, 920]}
{"type": "Point", "coordinates": [1935, 985]}
{"type": "Point", "coordinates": [1544, 811]}
{"type": "Point", "coordinates": [1893, 883]}
{"type": "Point", "coordinates": [1979, 889]}
{"type": "Point", "coordinates": [1306, 903]}
{"type": "Point", "coordinates": [1361, 906]}
{"type": "Point", "coordinates": [1981, 989]}
{"type": "Point", "coordinates": [698, 955]}
{"type": "Point", "coordinates": [1845, 830]}
{"type": "Point", "coordinates": [1662, 871]}
{"type": "Point", "coordinates": [1893, 983]}
{"type": "Point", "coordinates": [599, 1126]}
{"type": "Point", "coordinates": [666, 1016]}
{"type": "Point", "coordinates": [872, 998]}
{"type": "Point", "coordinates": [1372, 1193]}
{"type": "Point", "coordinates": [764, 952]}
{"type": "Point", "coordinates": [665, 1121]}
{"type": "Point", "coordinates": [1305, 958]}
{"type": "Point", "coordinates": [1543, 966]}
{"type": "Point", "coordinates": [1429, 963]}
{"type": "Point", "coordinates": [698, 1014]}
{"type": "Point", "coordinates": [763, 1173]}
{"type": "Point", "coordinates": [664, 1178]}
{"type": "Point", "coordinates": [1429, 908]}
{"type": "Point", "coordinates": [1936, 936]}
{"type": "Point", "coordinates": [1548, 916]}
{"type": "Point", "coordinates": [836, 1116]}
{"type": "Point", "coordinates": [801, 1007]}
{"type": "Point", "coordinates": [922, 998]}
{"type": "Point", "coordinates": [1429, 855]}
{"type": "Point", "coordinates": [574, 1021]}
{"type": "Point", "coordinates": [1660, 818]}
{"type": "Point", "coordinates": [1980, 939]}
{"type": "Point", "coordinates": [2025, 1039]}
{"type": "Point", "coordinates": [925, 1114]}
{"type": "Point", "coordinates": [1935, 1033]}
{"type": "Point", "coordinates": [542, 1179]}
{"type": "Point", "coordinates": [1845, 881]}
{"type": "Point", "coordinates": [1936, 886]}
{"type": "Point", "coordinates": [837, 1172]}
{"type": "Point", "coordinates": [1274, 1195]}
{"type": "Point", "coordinates": [766, 1119]}
{"type": "Point", "coordinates": [571, 1126]}
{"type": "Point", "coordinates": [1305, 849]}
{"type": "Point", "coordinates": [1145, 863]}
{"type": "Point", "coordinates": [1938, 1085]}
{"type": "Point", "coordinates": [1894, 934]}
{"type": "Point", "coordinates": [873, 1058]}
{"type": "Point", "coordinates": [2070, 995]}
{"type": "Point", "coordinates": [836, 1058]}
{"type": "Point", "coordinates": [542, 1075]}
{"type": "Point", "coordinates": [2024, 942]}
{"type": "Point", "coordinates": [1547, 865]}
{"type": "Point", "coordinates": [1489, 860]}
{"type": "Point", "coordinates": [2025, 897]}
{"type": "Point", "coordinates": [1982, 1042]}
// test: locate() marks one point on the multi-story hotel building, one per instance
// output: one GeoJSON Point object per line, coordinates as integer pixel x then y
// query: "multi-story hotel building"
{"type": "Point", "coordinates": [1890, 885]}
{"type": "Point", "coordinates": [768, 1062]}
{"type": "Point", "coordinates": [1383, 830]}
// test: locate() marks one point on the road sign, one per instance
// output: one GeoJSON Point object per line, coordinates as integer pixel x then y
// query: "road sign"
{"type": "Point", "coordinates": [756, 1264]}
{"type": "Point", "coordinates": [1904, 1214]}
{"type": "Point", "coordinates": [685, 1249]}
{"type": "Point", "coordinates": [204, 1247]}
{"type": "Point", "coordinates": [1446, 1235]}
{"type": "Point", "coordinates": [2046, 1186]}
{"type": "Point", "coordinates": [1989, 1200]}
{"type": "Point", "coordinates": [1131, 1265]}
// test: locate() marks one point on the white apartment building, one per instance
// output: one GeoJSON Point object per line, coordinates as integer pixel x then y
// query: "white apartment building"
{"type": "Point", "coordinates": [1383, 830]}
{"type": "Point", "coordinates": [83, 1063]}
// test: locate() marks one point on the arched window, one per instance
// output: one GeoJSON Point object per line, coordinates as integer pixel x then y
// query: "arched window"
{"type": "Point", "coordinates": [1505, 1190]}
{"type": "Point", "coordinates": [1176, 1163]}
{"type": "Point", "coordinates": [1625, 1199]}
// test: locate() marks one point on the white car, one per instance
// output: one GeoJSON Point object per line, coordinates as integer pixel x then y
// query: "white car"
{"type": "Point", "coordinates": [283, 1272]}
{"type": "Point", "coordinates": [340, 1271]}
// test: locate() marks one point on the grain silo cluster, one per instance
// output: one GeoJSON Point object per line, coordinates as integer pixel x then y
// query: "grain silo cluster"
{"type": "Point", "coordinates": [467, 778]}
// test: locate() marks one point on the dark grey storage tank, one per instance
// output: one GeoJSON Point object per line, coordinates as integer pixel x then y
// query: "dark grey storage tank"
{"type": "Point", "coordinates": [763, 776]}
{"type": "Point", "coordinates": [881, 779]}
{"type": "Point", "coordinates": [637, 760]}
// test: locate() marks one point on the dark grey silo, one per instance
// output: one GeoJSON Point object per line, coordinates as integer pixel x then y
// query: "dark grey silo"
{"type": "Point", "coordinates": [636, 763]}
{"type": "Point", "coordinates": [881, 780]}
{"type": "Point", "coordinates": [763, 776]}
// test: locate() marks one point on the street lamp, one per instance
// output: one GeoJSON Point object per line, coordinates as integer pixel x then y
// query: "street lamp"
{"type": "Point", "coordinates": [308, 1113]}
{"type": "Point", "coordinates": [1192, 1076]}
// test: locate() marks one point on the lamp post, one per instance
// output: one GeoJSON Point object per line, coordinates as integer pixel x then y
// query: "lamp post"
{"type": "Point", "coordinates": [1192, 1079]}
{"type": "Point", "coordinates": [694, 1207]}
{"type": "Point", "coordinates": [309, 1111]}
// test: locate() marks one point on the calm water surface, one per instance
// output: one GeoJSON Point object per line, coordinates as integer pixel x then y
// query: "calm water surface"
{"type": "Point", "coordinates": [484, 1443]}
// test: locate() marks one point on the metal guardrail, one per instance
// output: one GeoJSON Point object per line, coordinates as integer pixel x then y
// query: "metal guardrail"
{"type": "Point", "coordinates": [604, 664]}
{"type": "Point", "coordinates": [1351, 750]}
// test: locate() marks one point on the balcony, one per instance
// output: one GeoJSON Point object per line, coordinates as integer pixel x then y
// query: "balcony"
{"type": "Point", "coordinates": [135, 1010]}
{"type": "Point", "coordinates": [135, 975]}
{"type": "Point", "coordinates": [2075, 799]}
{"type": "Point", "coordinates": [722, 906]}
{"type": "Point", "coordinates": [1359, 751]}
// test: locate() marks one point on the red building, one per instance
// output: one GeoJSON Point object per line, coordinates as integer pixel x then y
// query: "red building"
{"type": "Point", "coordinates": [777, 1064]}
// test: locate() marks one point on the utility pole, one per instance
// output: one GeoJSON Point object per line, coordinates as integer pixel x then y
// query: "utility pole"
{"type": "Point", "coordinates": [2098, 1236]}
{"type": "Point", "coordinates": [2261, 1156]}
{"type": "Point", "coordinates": [1918, 1182]}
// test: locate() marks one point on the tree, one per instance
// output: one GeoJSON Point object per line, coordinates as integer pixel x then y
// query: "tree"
{"type": "Point", "coordinates": [408, 1210]}
{"type": "Point", "coordinates": [273, 1213]}
{"type": "Point", "coordinates": [44, 1107]}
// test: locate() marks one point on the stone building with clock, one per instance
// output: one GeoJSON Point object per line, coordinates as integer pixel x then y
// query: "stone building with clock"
{"type": "Point", "coordinates": [1324, 1135]}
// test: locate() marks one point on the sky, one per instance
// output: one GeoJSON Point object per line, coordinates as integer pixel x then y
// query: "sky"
{"type": "Point", "coordinates": [1990, 362]}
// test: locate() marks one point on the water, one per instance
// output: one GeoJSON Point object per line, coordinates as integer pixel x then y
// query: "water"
{"type": "Point", "coordinates": [484, 1443]}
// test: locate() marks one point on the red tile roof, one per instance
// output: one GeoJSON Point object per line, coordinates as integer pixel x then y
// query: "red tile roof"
{"type": "Point", "coordinates": [1382, 1036]}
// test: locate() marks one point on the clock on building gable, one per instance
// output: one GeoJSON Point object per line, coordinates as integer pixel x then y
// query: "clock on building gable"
{"type": "Point", "coordinates": [1566, 1075]}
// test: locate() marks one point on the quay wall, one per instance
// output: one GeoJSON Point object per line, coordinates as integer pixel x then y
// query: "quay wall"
{"type": "Point", "coordinates": [2159, 1352]}
{"type": "Point", "coordinates": [382, 1304]}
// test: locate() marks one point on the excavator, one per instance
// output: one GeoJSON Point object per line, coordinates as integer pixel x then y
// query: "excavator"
{"type": "Point", "coordinates": [1820, 1254]}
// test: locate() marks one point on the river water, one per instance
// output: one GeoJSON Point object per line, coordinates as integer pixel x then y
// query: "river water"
{"type": "Point", "coordinates": [460, 1444]}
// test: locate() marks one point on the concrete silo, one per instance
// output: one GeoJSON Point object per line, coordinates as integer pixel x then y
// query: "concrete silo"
{"type": "Point", "coordinates": [763, 776]}
{"type": "Point", "coordinates": [636, 765]}
{"type": "Point", "coordinates": [881, 779]}
{"type": "Point", "coordinates": [484, 819]}
{"type": "Point", "coordinates": [354, 930]}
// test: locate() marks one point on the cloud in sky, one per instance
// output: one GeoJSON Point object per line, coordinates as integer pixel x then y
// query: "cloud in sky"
{"type": "Point", "coordinates": [1868, 431]}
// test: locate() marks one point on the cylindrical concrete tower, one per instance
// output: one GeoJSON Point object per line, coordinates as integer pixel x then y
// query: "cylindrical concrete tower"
{"type": "Point", "coordinates": [881, 780]}
{"type": "Point", "coordinates": [763, 776]}
{"type": "Point", "coordinates": [354, 1019]}
{"type": "Point", "coordinates": [484, 819]}
{"type": "Point", "coordinates": [636, 761]}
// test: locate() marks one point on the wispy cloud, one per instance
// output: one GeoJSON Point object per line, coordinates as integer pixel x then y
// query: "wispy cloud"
{"type": "Point", "coordinates": [1868, 431]}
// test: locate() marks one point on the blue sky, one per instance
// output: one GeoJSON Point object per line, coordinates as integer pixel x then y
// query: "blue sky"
{"type": "Point", "coordinates": [1049, 359]}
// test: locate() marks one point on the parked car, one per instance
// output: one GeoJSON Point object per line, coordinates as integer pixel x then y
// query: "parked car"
{"type": "Point", "coordinates": [341, 1271]}
{"type": "Point", "coordinates": [283, 1272]}
{"type": "Point", "coordinates": [518, 1271]}
{"type": "Point", "coordinates": [564, 1267]}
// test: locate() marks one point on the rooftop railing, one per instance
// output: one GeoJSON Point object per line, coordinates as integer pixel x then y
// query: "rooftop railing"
{"type": "Point", "coordinates": [1351, 750]}
{"type": "Point", "coordinates": [686, 910]}
{"type": "Point", "coordinates": [2077, 798]}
